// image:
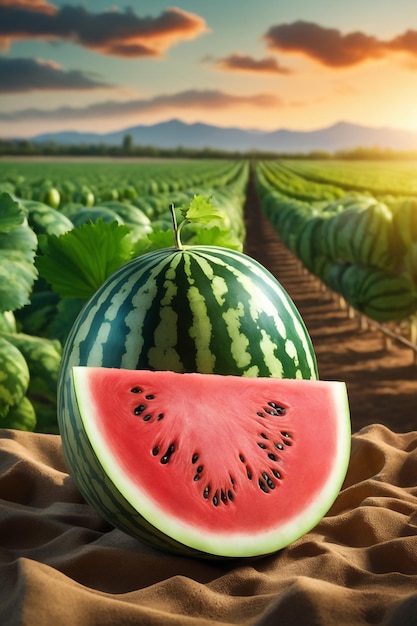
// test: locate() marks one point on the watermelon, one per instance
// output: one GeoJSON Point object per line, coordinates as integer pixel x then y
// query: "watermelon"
{"type": "Point", "coordinates": [209, 465]}
{"type": "Point", "coordinates": [94, 213]}
{"type": "Point", "coordinates": [46, 219]}
{"type": "Point", "coordinates": [21, 416]}
{"type": "Point", "coordinates": [199, 309]}
{"type": "Point", "coordinates": [14, 378]}
{"type": "Point", "coordinates": [190, 309]}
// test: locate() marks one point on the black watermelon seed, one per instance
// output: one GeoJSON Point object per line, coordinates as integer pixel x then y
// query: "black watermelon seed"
{"type": "Point", "coordinates": [261, 445]}
{"type": "Point", "coordinates": [272, 456]}
{"type": "Point", "coordinates": [168, 454]}
{"type": "Point", "coordinates": [160, 416]}
{"type": "Point", "coordinates": [194, 458]}
{"type": "Point", "coordinates": [268, 480]}
{"type": "Point", "coordinates": [155, 450]}
{"type": "Point", "coordinates": [215, 499]}
{"type": "Point", "coordinates": [150, 396]}
{"type": "Point", "coordinates": [230, 495]}
{"type": "Point", "coordinates": [276, 473]}
{"type": "Point", "coordinates": [147, 417]}
{"type": "Point", "coordinates": [264, 435]}
{"type": "Point", "coordinates": [138, 410]}
{"type": "Point", "coordinates": [260, 414]}
{"type": "Point", "coordinates": [136, 390]}
{"type": "Point", "coordinates": [196, 477]}
{"type": "Point", "coordinates": [206, 492]}
{"type": "Point", "coordinates": [232, 480]}
{"type": "Point", "coordinates": [263, 486]}
{"type": "Point", "coordinates": [278, 445]}
{"type": "Point", "coordinates": [248, 473]}
{"type": "Point", "coordinates": [223, 496]}
{"type": "Point", "coordinates": [241, 457]}
{"type": "Point", "coordinates": [275, 409]}
{"type": "Point", "coordinates": [199, 469]}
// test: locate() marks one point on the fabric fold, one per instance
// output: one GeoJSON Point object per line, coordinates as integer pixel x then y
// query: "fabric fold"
{"type": "Point", "coordinates": [61, 563]}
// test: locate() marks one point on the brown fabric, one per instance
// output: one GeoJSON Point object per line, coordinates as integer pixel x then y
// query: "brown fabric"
{"type": "Point", "coordinates": [60, 564]}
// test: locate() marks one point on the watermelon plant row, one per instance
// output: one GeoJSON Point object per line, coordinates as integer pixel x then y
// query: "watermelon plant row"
{"type": "Point", "coordinates": [282, 178]}
{"type": "Point", "coordinates": [385, 180]}
{"type": "Point", "coordinates": [356, 244]}
{"type": "Point", "coordinates": [90, 183]}
{"type": "Point", "coordinates": [53, 258]}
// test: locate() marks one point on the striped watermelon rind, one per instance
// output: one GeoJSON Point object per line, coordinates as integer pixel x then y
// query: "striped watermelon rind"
{"type": "Point", "coordinates": [202, 309]}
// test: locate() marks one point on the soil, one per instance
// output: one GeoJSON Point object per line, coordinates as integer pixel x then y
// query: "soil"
{"type": "Point", "coordinates": [381, 379]}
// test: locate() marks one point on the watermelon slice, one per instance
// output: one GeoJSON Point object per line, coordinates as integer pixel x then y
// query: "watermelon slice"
{"type": "Point", "coordinates": [210, 465]}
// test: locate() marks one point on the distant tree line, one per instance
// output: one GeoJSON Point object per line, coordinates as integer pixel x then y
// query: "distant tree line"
{"type": "Point", "coordinates": [25, 147]}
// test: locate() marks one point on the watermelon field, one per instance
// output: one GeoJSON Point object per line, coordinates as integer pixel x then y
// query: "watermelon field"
{"type": "Point", "coordinates": [340, 236]}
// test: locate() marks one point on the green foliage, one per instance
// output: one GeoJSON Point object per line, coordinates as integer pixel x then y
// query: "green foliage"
{"type": "Point", "coordinates": [79, 261]}
{"type": "Point", "coordinates": [18, 244]}
{"type": "Point", "coordinates": [155, 240]}
{"type": "Point", "coordinates": [201, 211]}
{"type": "Point", "coordinates": [216, 236]}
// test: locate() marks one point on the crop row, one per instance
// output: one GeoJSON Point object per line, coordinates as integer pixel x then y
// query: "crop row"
{"type": "Point", "coordinates": [52, 258]}
{"type": "Point", "coordinates": [91, 183]}
{"type": "Point", "coordinates": [384, 180]}
{"type": "Point", "coordinates": [357, 246]}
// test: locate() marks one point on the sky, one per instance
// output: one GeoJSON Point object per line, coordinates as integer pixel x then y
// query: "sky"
{"type": "Point", "coordinates": [256, 64]}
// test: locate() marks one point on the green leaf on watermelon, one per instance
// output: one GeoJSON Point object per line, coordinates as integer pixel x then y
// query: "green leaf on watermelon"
{"type": "Point", "coordinates": [18, 245]}
{"type": "Point", "coordinates": [201, 211]}
{"type": "Point", "coordinates": [79, 261]}
{"type": "Point", "coordinates": [155, 240]}
{"type": "Point", "coordinates": [216, 236]}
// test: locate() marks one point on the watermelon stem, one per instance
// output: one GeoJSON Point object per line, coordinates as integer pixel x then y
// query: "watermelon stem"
{"type": "Point", "coordinates": [177, 229]}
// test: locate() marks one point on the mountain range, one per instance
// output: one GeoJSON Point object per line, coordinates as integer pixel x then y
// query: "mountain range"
{"type": "Point", "coordinates": [174, 133]}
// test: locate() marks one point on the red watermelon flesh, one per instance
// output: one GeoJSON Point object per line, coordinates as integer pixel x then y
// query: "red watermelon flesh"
{"type": "Point", "coordinates": [223, 465]}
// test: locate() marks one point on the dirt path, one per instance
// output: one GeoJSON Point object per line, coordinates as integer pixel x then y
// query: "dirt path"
{"type": "Point", "coordinates": [382, 384]}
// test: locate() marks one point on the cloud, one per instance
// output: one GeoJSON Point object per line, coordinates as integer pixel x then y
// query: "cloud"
{"type": "Point", "coordinates": [185, 100]}
{"type": "Point", "coordinates": [407, 42]}
{"type": "Point", "coordinates": [22, 75]}
{"type": "Point", "coordinates": [242, 63]}
{"type": "Point", "coordinates": [326, 45]}
{"type": "Point", "coordinates": [40, 6]}
{"type": "Point", "coordinates": [111, 32]}
{"type": "Point", "coordinates": [334, 49]}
